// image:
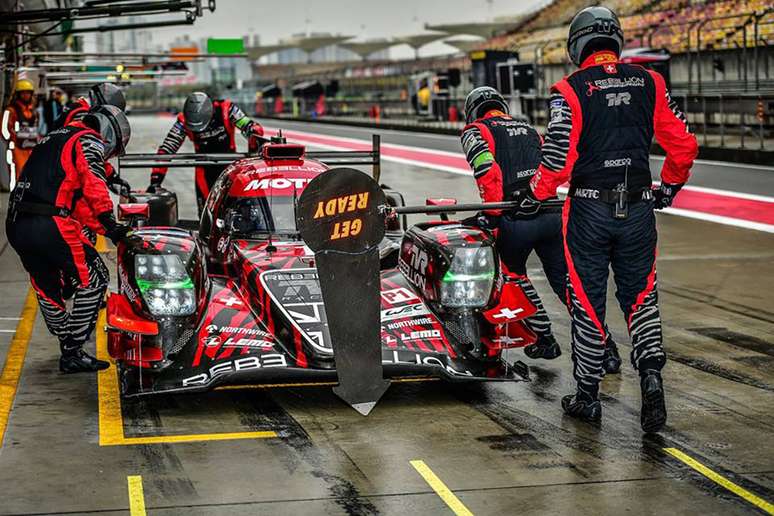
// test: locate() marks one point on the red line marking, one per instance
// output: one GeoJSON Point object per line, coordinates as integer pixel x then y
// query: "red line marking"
{"type": "Point", "coordinates": [726, 205]}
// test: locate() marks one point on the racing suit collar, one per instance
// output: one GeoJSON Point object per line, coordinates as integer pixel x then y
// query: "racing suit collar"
{"type": "Point", "coordinates": [493, 113]}
{"type": "Point", "coordinates": [598, 58]}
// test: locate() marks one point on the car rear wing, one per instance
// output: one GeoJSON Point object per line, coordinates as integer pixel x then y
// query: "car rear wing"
{"type": "Point", "coordinates": [370, 158]}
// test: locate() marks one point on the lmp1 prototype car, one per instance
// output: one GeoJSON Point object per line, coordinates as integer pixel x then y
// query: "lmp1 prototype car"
{"type": "Point", "coordinates": [238, 300]}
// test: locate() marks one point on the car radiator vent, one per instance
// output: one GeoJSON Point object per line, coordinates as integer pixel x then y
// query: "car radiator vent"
{"type": "Point", "coordinates": [182, 340]}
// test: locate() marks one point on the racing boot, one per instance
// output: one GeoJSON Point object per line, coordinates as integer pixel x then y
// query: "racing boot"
{"type": "Point", "coordinates": [75, 360]}
{"type": "Point", "coordinates": [584, 404]}
{"type": "Point", "coordinates": [653, 415]}
{"type": "Point", "coordinates": [611, 360]}
{"type": "Point", "coordinates": [546, 348]}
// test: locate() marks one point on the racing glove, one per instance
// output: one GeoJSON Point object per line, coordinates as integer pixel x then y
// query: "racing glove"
{"type": "Point", "coordinates": [118, 185]}
{"type": "Point", "coordinates": [482, 220]}
{"type": "Point", "coordinates": [665, 194]}
{"type": "Point", "coordinates": [527, 204]}
{"type": "Point", "coordinates": [113, 230]}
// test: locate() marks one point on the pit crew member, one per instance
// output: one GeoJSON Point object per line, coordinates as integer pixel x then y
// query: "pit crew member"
{"type": "Point", "coordinates": [602, 120]}
{"type": "Point", "coordinates": [211, 126]}
{"type": "Point", "coordinates": [99, 95]}
{"type": "Point", "coordinates": [504, 154]}
{"type": "Point", "coordinates": [68, 163]}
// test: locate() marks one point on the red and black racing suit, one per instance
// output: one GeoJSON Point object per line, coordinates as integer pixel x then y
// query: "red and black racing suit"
{"type": "Point", "coordinates": [67, 164]}
{"type": "Point", "coordinates": [602, 120]}
{"type": "Point", "coordinates": [504, 154]}
{"type": "Point", "coordinates": [217, 137]}
{"type": "Point", "coordinates": [73, 112]}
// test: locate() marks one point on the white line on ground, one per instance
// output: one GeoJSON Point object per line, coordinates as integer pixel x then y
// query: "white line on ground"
{"type": "Point", "coordinates": [719, 219]}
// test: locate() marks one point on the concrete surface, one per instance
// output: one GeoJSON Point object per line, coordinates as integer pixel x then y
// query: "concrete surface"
{"type": "Point", "coordinates": [502, 449]}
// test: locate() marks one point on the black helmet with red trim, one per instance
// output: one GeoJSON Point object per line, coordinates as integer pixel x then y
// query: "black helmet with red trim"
{"type": "Point", "coordinates": [197, 111]}
{"type": "Point", "coordinates": [112, 126]}
{"type": "Point", "coordinates": [481, 100]}
{"type": "Point", "coordinates": [107, 94]}
{"type": "Point", "coordinates": [594, 28]}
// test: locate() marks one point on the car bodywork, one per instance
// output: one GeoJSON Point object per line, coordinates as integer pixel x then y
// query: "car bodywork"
{"type": "Point", "coordinates": [238, 300]}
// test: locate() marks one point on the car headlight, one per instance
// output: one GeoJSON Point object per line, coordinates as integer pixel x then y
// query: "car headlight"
{"type": "Point", "coordinates": [164, 284]}
{"type": "Point", "coordinates": [469, 280]}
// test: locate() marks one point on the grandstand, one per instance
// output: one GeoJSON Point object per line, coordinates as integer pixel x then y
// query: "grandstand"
{"type": "Point", "coordinates": [678, 25]}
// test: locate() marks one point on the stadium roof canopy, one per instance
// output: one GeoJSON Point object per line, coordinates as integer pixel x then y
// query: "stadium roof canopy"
{"type": "Point", "coordinates": [419, 40]}
{"type": "Point", "coordinates": [483, 29]}
{"type": "Point", "coordinates": [311, 43]}
{"type": "Point", "coordinates": [464, 45]}
{"type": "Point", "coordinates": [366, 48]}
{"type": "Point", "coordinates": [254, 53]}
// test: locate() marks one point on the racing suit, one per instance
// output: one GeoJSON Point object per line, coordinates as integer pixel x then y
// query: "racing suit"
{"type": "Point", "coordinates": [20, 130]}
{"type": "Point", "coordinates": [73, 112]}
{"type": "Point", "coordinates": [602, 120]}
{"type": "Point", "coordinates": [67, 164]}
{"type": "Point", "coordinates": [504, 154]}
{"type": "Point", "coordinates": [217, 137]}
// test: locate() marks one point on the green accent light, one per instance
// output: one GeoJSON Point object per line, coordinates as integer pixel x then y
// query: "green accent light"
{"type": "Point", "coordinates": [225, 46]}
{"type": "Point", "coordinates": [450, 277]}
{"type": "Point", "coordinates": [145, 285]}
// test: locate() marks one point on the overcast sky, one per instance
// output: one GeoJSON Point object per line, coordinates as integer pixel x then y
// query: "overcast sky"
{"type": "Point", "coordinates": [365, 19]}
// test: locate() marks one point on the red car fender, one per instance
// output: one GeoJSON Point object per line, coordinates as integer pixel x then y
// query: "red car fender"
{"type": "Point", "coordinates": [513, 306]}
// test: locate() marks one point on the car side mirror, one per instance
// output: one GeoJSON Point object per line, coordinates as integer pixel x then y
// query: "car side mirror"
{"type": "Point", "coordinates": [135, 214]}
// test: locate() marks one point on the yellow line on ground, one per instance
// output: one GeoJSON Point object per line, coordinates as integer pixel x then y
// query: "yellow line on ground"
{"type": "Point", "coordinates": [14, 360]}
{"type": "Point", "coordinates": [101, 244]}
{"type": "Point", "coordinates": [136, 496]}
{"type": "Point", "coordinates": [721, 480]}
{"type": "Point", "coordinates": [440, 488]}
{"type": "Point", "coordinates": [111, 421]}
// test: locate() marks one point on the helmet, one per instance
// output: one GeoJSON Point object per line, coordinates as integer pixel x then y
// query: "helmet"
{"type": "Point", "coordinates": [197, 111]}
{"type": "Point", "coordinates": [24, 85]}
{"type": "Point", "coordinates": [112, 126]}
{"type": "Point", "coordinates": [107, 94]}
{"type": "Point", "coordinates": [593, 23]}
{"type": "Point", "coordinates": [481, 100]}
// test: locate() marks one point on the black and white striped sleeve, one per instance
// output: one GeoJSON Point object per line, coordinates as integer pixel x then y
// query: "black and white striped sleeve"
{"type": "Point", "coordinates": [174, 139]}
{"type": "Point", "coordinates": [557, 140]}
{"type": "Point", "coordinates": [94, 152]}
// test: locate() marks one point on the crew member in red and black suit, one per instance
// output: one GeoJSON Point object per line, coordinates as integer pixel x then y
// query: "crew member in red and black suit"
{"type": "Point", "coordinates": [69, 162]}
{"type": "Point", "coordinates": [211, 126]}
{"type": "Point", "coordinates": [504, 154]}
{"type": "Point", "coordinates": [99, 95]}
{"type": "Point", "coordinates": [603, 118]}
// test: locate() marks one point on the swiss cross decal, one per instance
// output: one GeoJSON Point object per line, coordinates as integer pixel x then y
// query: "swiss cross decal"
{"type": "Point", "coordinates": [610, 68]}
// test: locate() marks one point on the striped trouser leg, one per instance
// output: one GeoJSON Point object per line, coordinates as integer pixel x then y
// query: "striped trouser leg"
{"type": "Point", "coordinates": [56, 317]}
{"type": "Point", "coordinates": [87, 301]}
{"type": "Point", "coordinates": [588, 244]}
{"type": "Point", "coordinates": [634, 268]}
{"type": "Point", "coordinates": [539, 323]}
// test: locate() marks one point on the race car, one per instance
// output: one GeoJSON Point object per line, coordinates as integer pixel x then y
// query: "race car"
{"type": "Point", "coordinates": [238, 299]}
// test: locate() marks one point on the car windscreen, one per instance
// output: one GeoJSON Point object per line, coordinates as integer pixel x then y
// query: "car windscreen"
{"type": "Point", "coordinates": [252, 216]}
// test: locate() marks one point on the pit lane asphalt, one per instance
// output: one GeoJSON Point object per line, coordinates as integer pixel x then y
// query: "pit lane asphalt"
{"type": "Point", "coordinates": [501, 449]}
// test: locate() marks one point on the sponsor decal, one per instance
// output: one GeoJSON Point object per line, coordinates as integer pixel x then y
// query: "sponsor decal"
{"type": "Point", "coordinates": [235, 366]}
{"type": "Point", "coordinates": [421, 335]}
{"type": "Point", "coordinates": [212, 328]}
{"type": "Point", "coordinates": [614, 82]}
{"type": "Point", "coordinates": [410, 322]}
{"type": "Point", "coordinates": [281, 183]}
{"type": "Point", "coordinates": [610, 68]}
{"type": "Point", "coordinates": [621, 162]}
{"type": "Point", "coordinates": [415, 269]}
{"type": "Point", "coordinates": [126, 288]}
{"type": "Point", "coordinates": [516, 131]}
{"type": "Point", "coordinates": [526, 173]}
{"type": "Point", "coordinates": [506, 313]}
{"type": "Point", "coordinates": [586, 193]}
{"type": "Point", "coordinates": [398, 296]}
{"type": "Point", "coordinates": [404, 311]}
{"type": "Point", "coordinates": [398, 357]}
{"type": "Point", "coordinates": [616, 99]}
{"type": "Point", "coordinates": [296, 292]}
{"type": "Point", "coordinates": [222, 244]}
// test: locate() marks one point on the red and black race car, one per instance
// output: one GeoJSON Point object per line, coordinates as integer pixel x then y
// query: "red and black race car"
{"type": "Point", "coordinates": [239, 298]}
